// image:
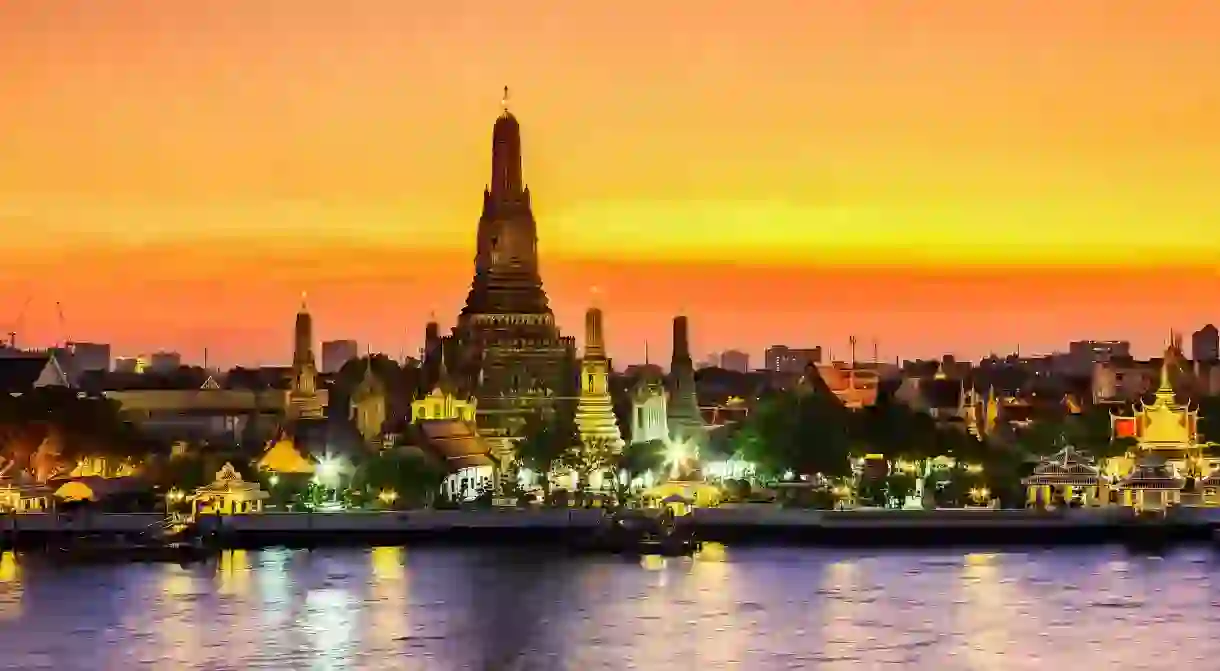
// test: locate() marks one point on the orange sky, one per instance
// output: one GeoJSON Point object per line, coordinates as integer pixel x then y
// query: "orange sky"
{"type": "Point", "coordinates": [949, 175]}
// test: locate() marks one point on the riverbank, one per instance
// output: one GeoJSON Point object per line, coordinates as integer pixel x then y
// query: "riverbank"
{"type": "Point", "coordinates": [751, 525]}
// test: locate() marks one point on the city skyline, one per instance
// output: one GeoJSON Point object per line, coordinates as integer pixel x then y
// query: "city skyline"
{"type": "Point", "coordinates": [199, 179]}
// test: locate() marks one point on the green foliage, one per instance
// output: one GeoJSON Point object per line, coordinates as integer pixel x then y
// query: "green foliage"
{"type": "Point", "coordinates": [545, 438]}
{"type": "Point", "coordinates": [413, 477]}
{"type": "Point", "coordinates": [802, 432]}
{"type": "Point", "coordinates": [640, 458]}
{"type": "Point", "coordinates": [589, 458]}
{"type": "Point", "coordinates": [899, 486]}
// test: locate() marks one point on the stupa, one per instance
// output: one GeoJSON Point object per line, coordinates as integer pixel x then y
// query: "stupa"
{"type": "Point", "coordinates": [595, 420]}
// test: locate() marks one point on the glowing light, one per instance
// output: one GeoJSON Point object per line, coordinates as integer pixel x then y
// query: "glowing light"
{"type": "Point", "coordinates": [388, 496]}
{"type": "Point", "coordinates": [9, 571]}
{"type": "Point", "coordinates": [274, 480]}
{"type": "Point", "coordinates": [974, 468]}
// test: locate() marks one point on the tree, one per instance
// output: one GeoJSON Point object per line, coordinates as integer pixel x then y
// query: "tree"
{"type": "Point", "coordinates": [640, 458]}
{"type": "Point", "coordinates": [806, 432]}
{"type": "Point", "coordinates": [899, 486]}
{"type": "Point", "coordinates": [593, 456]}
{"type": "Point", "coordinates": [545, 438]}
{"type": "Point", "coordinates": [412, 480]}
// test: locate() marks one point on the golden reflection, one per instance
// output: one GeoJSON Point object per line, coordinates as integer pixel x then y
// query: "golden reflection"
{"type": "Point", "coordinates": [983, 612]}
{"type": "Point", "coordinates": [712, 552]}
{"type": "Point", "coordinates": [12, 591]}
{"type": "Point", "coordinates": [9, 570]}
{"type": "Point", "coordinates": [177, 636]}
{"type": "Point", "coordinates": [387, 563]}
{"type": "Point", "coordinates": [840, 589]}
{"type": "Point", "coordinates": [390, 592]}
{"type": "Point", "coordinates": [234, 573]}
{"type": "Point", "coordinates": [653, 562]}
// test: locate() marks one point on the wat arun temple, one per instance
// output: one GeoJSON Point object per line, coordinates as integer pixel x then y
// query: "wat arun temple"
{"type": "Point", "coordinates": [506, 350]}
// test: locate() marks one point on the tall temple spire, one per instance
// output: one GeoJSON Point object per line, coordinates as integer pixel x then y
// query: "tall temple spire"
{"type": "Point", "coordinates": [595, 420]}
{"type": "Point", "coordinates": [303, 394]}
{"type": "Point", "coordinates": [506, 181]}
{"type": "Point", "coordinates": [685, 421]}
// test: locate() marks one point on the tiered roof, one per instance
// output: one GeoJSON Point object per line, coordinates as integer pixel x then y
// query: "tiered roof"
{"type": "Point", "coordinates": [229, 483]}
{"type": "Point", "coordinates": [1152, 473]}
{"type": "Point", "coordinates": [1066, 467]}
{"type": "Point", "coordinates": [1212, 480]}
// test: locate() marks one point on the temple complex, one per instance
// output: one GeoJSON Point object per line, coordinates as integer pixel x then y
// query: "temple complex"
{"type": "Point", "coordinates": [505, 346]}
{"type": "Point", "coordinates": [595, 419]}
{"type": "Point", "coordinates": [1165, 428]}
{"type": "Point", "coordinates": [683, 416]}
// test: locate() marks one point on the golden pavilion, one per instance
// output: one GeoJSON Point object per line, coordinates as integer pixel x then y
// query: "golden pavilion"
{"type": "Point", "coordinates": [229, 494]}
{"type": "Point", "coordinates": [1060, 477]}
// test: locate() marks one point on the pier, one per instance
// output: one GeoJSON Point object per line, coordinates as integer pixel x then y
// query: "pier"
{"type": "Point", "coordinates": [745, 525]}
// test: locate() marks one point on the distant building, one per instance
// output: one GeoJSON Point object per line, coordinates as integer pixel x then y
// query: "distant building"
{"type": "Point", "coordinates": [783, 359]}
{"type": "Point", "coordinates": [128, 364]}
{"type": "Point", "coordinates": [335, 353]}
{"type": "Point", "coordinates": [164, 362]}
{"type": "Point", "coordinates": [1205, 344]}
{"type": "Point", "coordinates": [90, 356]}
{"type": "Point", "coordinates": [735, 360]}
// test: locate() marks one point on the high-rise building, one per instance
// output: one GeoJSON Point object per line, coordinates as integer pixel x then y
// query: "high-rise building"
{"type": "Point", "coordinates": [335, 353]}
{"type": "Point", "coordinates": [1205, 344]}
{"type": "Point", "coordinates": [735, 360]}
{"type": "Point", "coordinates": [90, 356]}
{"type": "Point", "coordinates": [164, 362]}
{"type": "Point", "coordinates": [784, 359]}
{"type": "Point", "coordinates": [505, 345]}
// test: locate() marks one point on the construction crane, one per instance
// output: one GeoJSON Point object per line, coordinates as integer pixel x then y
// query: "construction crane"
{"type": "Point", "coordinates": [17, 322]}
{"type": "Point", "coordinates": [63, 330]}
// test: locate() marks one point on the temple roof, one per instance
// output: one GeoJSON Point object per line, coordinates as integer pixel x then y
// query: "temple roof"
{"type": "Point", "coordinates": [282, 456]}
{"type": "Point", "coordinates": [455, 443]}
{"type": "Point", "coordinates": [230, 483]}
{"type": "Point", "coordinates": [1152, 473]}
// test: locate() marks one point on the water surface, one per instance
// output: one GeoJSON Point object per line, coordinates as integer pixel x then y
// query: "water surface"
{"type": "Point", "coordinates": [507, 609]}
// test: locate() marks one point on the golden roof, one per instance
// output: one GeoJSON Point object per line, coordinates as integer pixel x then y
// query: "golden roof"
{"type": "Point", "coordinates": [282, 456]}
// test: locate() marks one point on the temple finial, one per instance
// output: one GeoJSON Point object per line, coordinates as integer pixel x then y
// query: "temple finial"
{"type": "Point", "coordinates": [304, 297]}
{"type": "Point", "coordinates": [504, 100]}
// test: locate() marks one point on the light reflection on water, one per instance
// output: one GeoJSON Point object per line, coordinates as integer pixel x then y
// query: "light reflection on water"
{"type": "Point", "coordinates": [778, 608]}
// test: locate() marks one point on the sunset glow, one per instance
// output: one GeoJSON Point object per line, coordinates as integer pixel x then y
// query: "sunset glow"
{"type": "Point", "coordinates": [950, 174]}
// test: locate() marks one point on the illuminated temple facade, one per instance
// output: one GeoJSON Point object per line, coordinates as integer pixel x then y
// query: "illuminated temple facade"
{"type": "Point", "coordinates": [505, 347]}
{"type": "Point", "coordinates": [1165, 429]}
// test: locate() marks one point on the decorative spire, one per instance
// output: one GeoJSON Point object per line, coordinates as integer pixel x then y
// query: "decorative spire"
{"type": "Point", "coordinates": [504, 101]}
{"type": "Point", "coordinates": [304, 301]}
{"type": "Point", "coordinates": [1165, 390]}
{"type": "Point", "coordinates": [595, 345]}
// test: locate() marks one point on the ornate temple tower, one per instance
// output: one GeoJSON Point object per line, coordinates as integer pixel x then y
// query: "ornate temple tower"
{"type": "Point", "coordinates": [505, 346]}
{"type": "Point", "coordinates": [303, 401]}
{"type": "Point", "coordinates": [368, 409]}
{"type": "Point", "coordinates": [595, 411]}
{"type": "Point", "coordinates": [685, 421]}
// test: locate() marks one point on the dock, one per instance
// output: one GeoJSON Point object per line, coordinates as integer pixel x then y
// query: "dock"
{"type": "Point", "coordinates": [743, 525]}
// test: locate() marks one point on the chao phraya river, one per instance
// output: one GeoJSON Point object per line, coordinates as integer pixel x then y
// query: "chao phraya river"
{"type": "Point", "coordinates": [505, 609]}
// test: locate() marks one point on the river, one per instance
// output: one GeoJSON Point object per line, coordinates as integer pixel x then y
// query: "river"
{"type": "Point", "coordinates": [504, 609]}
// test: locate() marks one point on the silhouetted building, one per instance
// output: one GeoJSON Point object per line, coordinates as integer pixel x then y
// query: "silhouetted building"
{"type": "Point", "coordinates": [735, 360]}
{"type": "Point", "coordinates": [1205, 344]}
{"type": "Point", "coordinates": [90, 356]}
{"type": "Point", "coordinates": [164, 362]}
{"type": "Point", "coordinates": [335, 353]}
{"type": "Point", "coordinates": [783, 359]}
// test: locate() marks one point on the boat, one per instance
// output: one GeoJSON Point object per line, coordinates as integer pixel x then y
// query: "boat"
{"type": "Point", "coordinates": [642, 532]}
